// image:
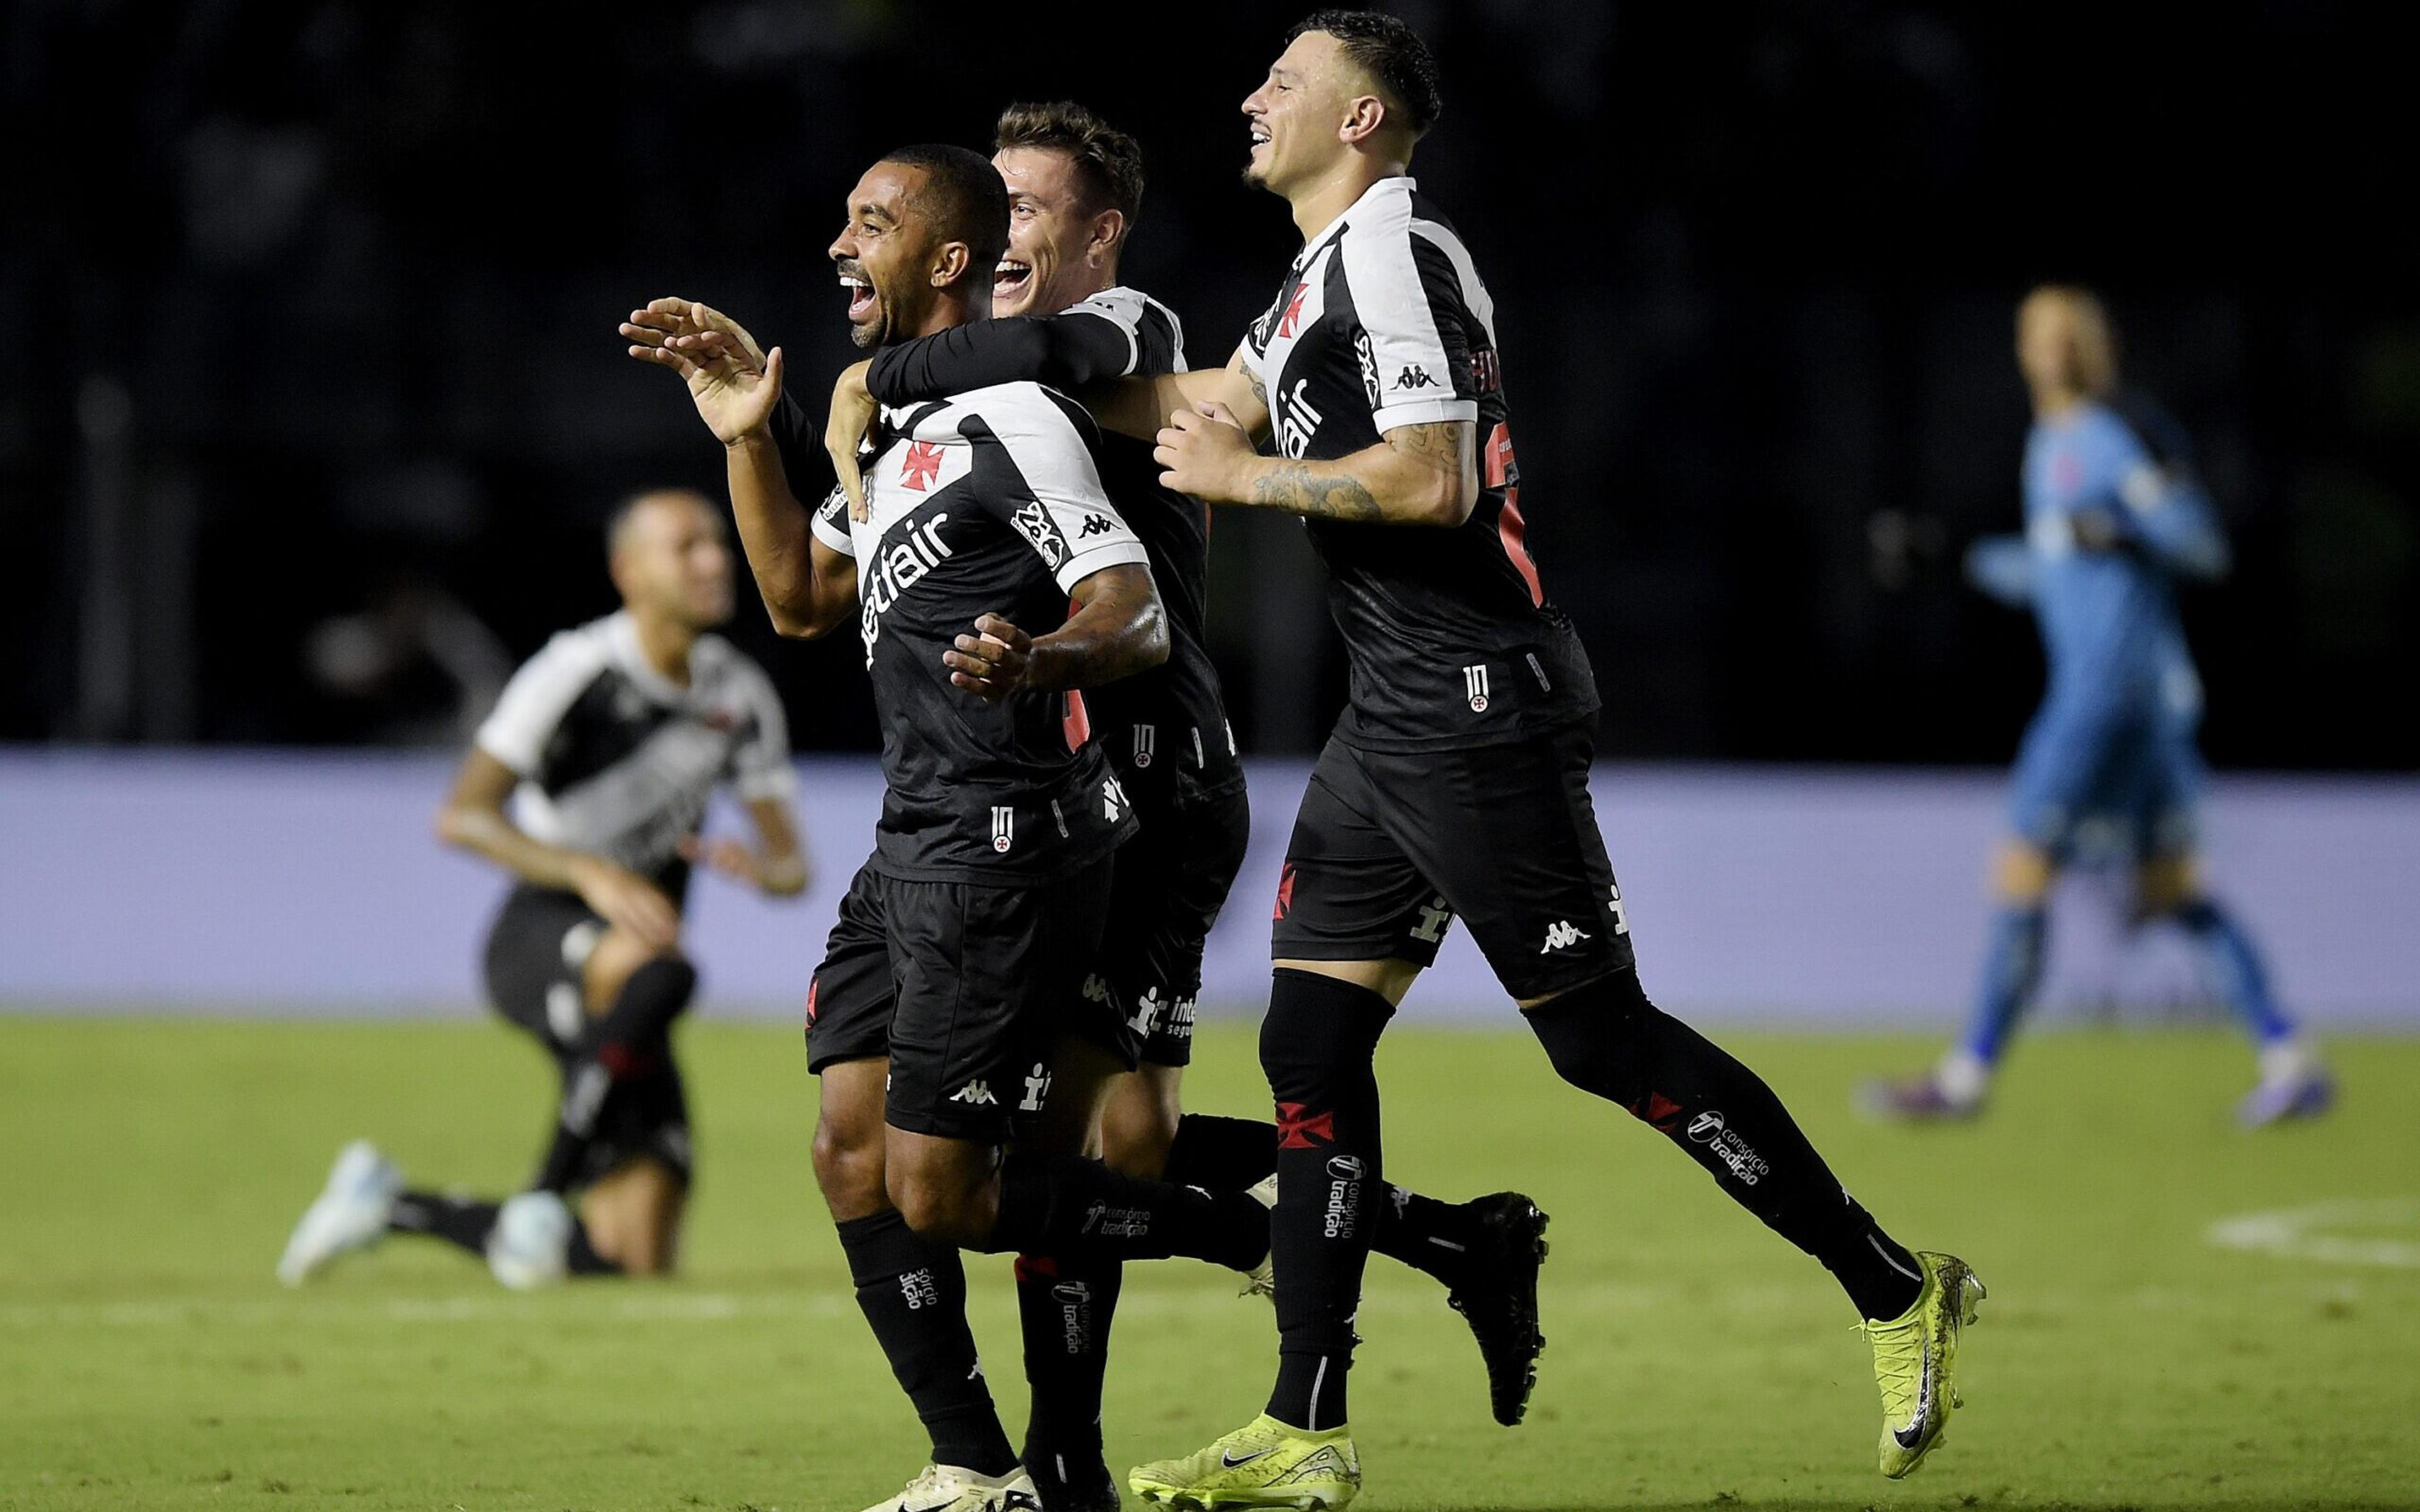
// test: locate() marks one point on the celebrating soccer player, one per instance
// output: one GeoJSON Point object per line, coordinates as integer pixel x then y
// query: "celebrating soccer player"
{"type": "Point", "coordinates": [2114, 518]}
{"type": "Point", "coordinates": [969, 939]}
{"type": "Point", "coordinates": [1457, 781]}
{"type": "Point", "coordinates": [614, 736]}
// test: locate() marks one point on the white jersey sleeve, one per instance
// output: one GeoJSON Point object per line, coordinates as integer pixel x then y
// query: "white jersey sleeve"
{"type": "Point", "coordinates": [830, 523]}
{"type": "Point", "coordinates": [1064, 514]}
{"type": "Point", "coordinates": [1409, 309]}
{"type": "Point", "coordinates": [539, 695]}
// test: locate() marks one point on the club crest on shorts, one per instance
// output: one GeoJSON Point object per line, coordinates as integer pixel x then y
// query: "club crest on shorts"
{"type": "Point", "coordinates": [1474, 683]}
{"type": "Point", "coordinates": [1003, 830]}
{"type": "Point", "coordinates": [1146, 742]}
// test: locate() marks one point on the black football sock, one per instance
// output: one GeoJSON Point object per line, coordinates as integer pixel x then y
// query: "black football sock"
{"type": "Point", "coordinates": [1221, 1155]}
{"type": "Point", "coordinates": [1065, 1307]}
{"type": "Point", "coordinates": [628, 1044]}
{"type": "Point", "coordinates": [913, 1292]}
{"type": "Point", "coordinates": [463, 1220]}
{"type": "Point", "coordinates": [1070, 1206]}
{"type": "Point", "coordinates": [467, 1222]}
{"type": "Point", "coordinates": [1608, 1039]}
{"type": "Point", "coordinates": [1316, 1047]}
{"type": "Point", "coordinates": [1431, 1237]}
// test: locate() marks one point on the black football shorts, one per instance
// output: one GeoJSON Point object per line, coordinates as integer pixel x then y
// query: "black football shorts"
{"type": "Point", "coordinates": [1390, 847]}
{"type": "Point", "coordinates": [1172, 879]}
{"type": "Point", "coordinates": [965, 988]}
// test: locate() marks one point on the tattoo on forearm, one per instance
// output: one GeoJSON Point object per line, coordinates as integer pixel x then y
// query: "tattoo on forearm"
{"type": "Point", "coordinates": [1293, 487]}
{"type": "Point", "coordinates": [1439, 443]}
{"type": "Point", "coordinates": [1260, 390]}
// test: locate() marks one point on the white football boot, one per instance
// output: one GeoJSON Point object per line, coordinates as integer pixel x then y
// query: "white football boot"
{"type": "Point", "coordinates": [949, 1488]}
{"type": "Point", "coordinates": [350, 1212]}
{"type": "Point", "coordinates": [531, 1244]}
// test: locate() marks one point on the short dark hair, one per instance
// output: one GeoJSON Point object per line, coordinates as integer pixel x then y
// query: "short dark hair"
{"type": "Point", "coordinates": [1391, 52]}
{"type": "Point", "coordinates": [1108, 160]}
{"type": "Point", "coordinates": [964, 195]}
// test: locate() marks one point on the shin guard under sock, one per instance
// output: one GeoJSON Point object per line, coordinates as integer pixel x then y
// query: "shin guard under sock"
{"type": "Point", "coordinates": [1220, 1154]}
{"type": "Point", "coordinates": [1072, 1206]}
{"type": "Point", "coordinates": [914, 1293]}
{"type": "Point", "coordinates": [1317, 1045]}
{"type": "Point", "coordinates": [1608, 1039]}
{"type": "Point", "coordinates": [1065, 1307]}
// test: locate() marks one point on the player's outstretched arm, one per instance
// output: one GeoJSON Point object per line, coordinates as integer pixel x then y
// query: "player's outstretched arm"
{"type": "Point", "coordinates": [474, 819]}
{"type": "Point", "coordinates": [1425, 475]}
{"type": "Point", "coordinates": [1142, 407]}
{"type": "Point", "coordinates": [1118, 629]}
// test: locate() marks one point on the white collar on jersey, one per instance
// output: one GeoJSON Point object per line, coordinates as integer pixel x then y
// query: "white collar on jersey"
{"type": "Point", "coordinates": [622, 637]}
{"type": "Point", "coordinates": [1312, 246]}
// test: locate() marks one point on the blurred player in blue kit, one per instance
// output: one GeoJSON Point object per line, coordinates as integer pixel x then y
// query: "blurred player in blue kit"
{"type": "Point", "coordinates": [2114, 520]}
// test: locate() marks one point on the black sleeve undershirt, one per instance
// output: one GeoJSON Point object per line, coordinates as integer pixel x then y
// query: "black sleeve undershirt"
{"type": "Point", "coordinates": [1059, 351]}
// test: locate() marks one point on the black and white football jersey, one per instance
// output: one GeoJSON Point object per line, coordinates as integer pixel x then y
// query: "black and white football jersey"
{"type": "Point", "coordinates": [1383, 323]}
{"type": "Point", "coordinates": [618, 760]}
{"type": "Point", "coordinates": [1172, 717]}
{"type": "Point", "coordinates": [988, 502]}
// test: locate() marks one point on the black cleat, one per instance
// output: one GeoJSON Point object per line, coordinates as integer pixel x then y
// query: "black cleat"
{"type": "Point", "coordinates": [1072, 1482]}
{"type": "Point", "coordinates": [1497, 1295]}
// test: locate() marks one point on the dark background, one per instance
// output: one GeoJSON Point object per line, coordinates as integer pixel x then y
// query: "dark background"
{"type": "Point", "coordinates": [311, 307]}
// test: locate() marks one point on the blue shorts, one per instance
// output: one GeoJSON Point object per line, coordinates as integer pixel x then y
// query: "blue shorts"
{"type": "Point", "coordinates": [2098, 789]}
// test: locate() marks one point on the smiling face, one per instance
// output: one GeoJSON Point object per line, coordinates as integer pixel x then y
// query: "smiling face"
{"type": "Point", "coordinates": [1061, 249]}
{"type": "Point", "coordinates": [884, 256]}
{"type": "Point", "coordinates": [1295, 116]}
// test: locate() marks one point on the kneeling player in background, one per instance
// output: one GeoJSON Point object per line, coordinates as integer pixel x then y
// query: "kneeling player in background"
{"type": "Point", "coordinates": [2113, 518]}
{"type": "Point", "coordinates": [615, 735]}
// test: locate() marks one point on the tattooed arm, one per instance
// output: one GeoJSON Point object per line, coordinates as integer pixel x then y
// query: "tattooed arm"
{"type": "Point", "coordinates": [1417, 475]}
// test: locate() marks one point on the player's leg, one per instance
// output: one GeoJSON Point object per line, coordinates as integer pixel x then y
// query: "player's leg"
{"type": "Point", "coordinates": [911, 1290]}
{"type": "Point", "coordinates": [631, 993]}
{"type": "Point", "coordinates": [2293, 1081]}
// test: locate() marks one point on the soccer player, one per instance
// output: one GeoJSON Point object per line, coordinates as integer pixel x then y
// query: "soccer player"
{"type": "Point", "coordinates": [2114, 518]}
{"type": "Point", "coordinates": [613, 736]}
{"type": "Point", "coordinates": [1456, 782]}
{"type": "Point", "coordinates": [1062, 317]}
{"type": "Point", "coordinates": [965, 943]}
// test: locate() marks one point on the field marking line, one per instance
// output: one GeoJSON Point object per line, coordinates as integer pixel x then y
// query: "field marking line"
{"type": "Point", "coordinates": [2300, 1233]}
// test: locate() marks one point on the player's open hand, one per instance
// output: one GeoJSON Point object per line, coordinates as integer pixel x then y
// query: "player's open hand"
{"type": "Point", "coordinates": [733, 382]}
{"type": "Point", "coordinates": [1205, 451]}
{"type": "Point", "coordinates": [852, 415]}
{"type": "Point", "coordinates": [993, 662]}
{"type": "Point", "coordinates": [628, 902]}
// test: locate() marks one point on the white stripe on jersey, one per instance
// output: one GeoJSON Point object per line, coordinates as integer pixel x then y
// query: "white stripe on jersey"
{"type": "Point", "coordinates": [1474, 293]}
{"type": "Point", "coordinates": [634, 777]}
{"type": "Point", "coordinates": [1123, 308]}
{"type": "Point", "coordinates": [1415, 379]}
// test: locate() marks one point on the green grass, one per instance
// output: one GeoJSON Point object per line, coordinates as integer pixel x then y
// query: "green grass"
{"type": "Point", "coordinates": [148, 1359]}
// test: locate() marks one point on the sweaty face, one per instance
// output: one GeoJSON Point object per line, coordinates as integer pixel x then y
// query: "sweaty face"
{"type": "Point", "coordinates": [1293, 117]}
{"type": "Point", "coordinates": [1050, 260]}
{"type": "Point", "coordinates": [881, 255]}
{"type": "Point", "coordinates": [673, 559]}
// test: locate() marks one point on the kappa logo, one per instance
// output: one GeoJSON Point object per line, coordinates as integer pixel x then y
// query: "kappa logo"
{"type": "Point", "coordinates": [1562, 934]}
{"type": "Point", "coordinates": [1096, 525]}
{"type": "Point", "coordinates": [975, 1094]}
{"type": "Point", "coordinates": [1034, 522]}
{"type": "Point", "coordinates": [1414, 376]}
{"type": "Point", "coordinates": [1003, 830]}
{"type": "Point", "coordinates": [921, 466]}
{"type": "Point", "coordinates": [1474, 687]}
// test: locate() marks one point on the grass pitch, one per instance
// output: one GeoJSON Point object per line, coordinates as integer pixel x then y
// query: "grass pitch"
{"type": "Point", "coordinates": [148, 1360]}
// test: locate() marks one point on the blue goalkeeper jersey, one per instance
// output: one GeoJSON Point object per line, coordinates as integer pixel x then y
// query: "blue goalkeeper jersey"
{"type": "Point", "coordinates": [2108, 618]}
